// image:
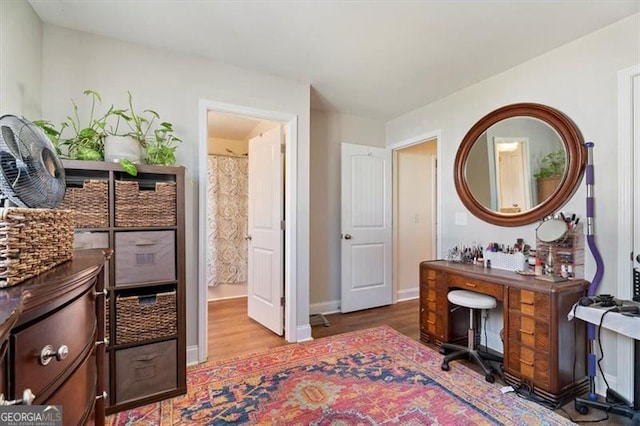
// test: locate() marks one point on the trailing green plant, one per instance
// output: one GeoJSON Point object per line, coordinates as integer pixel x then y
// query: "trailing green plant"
{"type": "Point", "coordinates": [87, 139]}
{"type": "Point", "coordinates": [552, 164]}
{"type": "Point", "coordinates": [161, 149]}
{"type": "Point", "coordinates": [51, 132]}
{"type": "Point", "coordinates": [78, 140]}
{"type": "Point", "coordinates": [159, 143]}
{"type": "Point", "coordinates": [139, 126]}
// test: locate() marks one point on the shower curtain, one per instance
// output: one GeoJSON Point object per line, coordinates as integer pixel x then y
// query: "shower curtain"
{"type": "Point", "coordinates": [227, 218]}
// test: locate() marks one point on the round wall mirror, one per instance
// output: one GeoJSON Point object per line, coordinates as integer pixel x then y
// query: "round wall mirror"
{"type": "Point", "coordinates": [519, 164]}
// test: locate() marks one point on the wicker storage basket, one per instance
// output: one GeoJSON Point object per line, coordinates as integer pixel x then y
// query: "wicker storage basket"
{"type": "Point", "coordinates": [141, 318]}
{"type": "Point", "coordinates": [91, 204]}
{"type": "Point", "coordinates": [33, 241]}
{"type": "Point", "coordinates": [136, 208]}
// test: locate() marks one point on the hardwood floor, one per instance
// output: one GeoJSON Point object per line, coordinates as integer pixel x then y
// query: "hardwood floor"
{"type": "Point", "coordinates": [232, 333]}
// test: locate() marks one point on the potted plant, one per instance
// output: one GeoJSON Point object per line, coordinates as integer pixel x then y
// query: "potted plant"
{"type": "Point", "coordinates": [550, 171]}
{"type": "Point", "coordinates": [86, 141]}
{"type": "Point", "coordinates": [104, 138]}
{"type": "Point", "coordinates": [158, 144]}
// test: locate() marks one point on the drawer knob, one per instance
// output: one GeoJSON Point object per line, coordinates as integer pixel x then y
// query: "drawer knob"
{"type": "Point", "coordinates": [101, 293]}
{"type": "Point", "coordinates": [47, 353]}
{"type": "Point", "coordinates": [105, 342]}
{"type": "Point", "coordinates": [103, 395]}
{"type": "Point", "coordinates": [27, 399]}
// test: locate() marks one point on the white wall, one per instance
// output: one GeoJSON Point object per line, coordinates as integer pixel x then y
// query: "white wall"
{"type": "Point", "coordinates": [172, 85]}
{"type": "Point", "coordinates": [20, 60]}
{"type": "Point", "coordinates": [580, 79]}
{"type": "Point", "coordinates": [328, 131]}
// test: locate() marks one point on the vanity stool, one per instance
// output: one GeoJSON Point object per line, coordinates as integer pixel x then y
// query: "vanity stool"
{"type": "Point", "coordinates": [473, 301]}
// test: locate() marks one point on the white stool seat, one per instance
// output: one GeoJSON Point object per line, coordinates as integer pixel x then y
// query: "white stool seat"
{"type": "Point", "coordinates": [470, 299]}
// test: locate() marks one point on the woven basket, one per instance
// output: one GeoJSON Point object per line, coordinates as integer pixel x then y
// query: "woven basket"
{"type": "Point", "coordinates": [141, 318]}
{"type": "Point", "coordinates": [33, 241]}
{"type": "Point", "coordinates": [91, 204]}
{"type": "Point", "coordinates": [136, 208]}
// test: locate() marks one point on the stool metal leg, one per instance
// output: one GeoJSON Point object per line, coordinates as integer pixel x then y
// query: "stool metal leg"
{"type": "Point", "coordinates": [470, 352]}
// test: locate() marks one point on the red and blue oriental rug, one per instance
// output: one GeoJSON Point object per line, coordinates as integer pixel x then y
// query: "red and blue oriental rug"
{"type": "Point", "coordinates": [370, 377]}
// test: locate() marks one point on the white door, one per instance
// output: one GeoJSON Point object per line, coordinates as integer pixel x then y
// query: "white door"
{"type": "Point", "coordinates": [511, 174]}
{"type": "Point", "coordinates": [366, 227]}
{"type": "Point", "coordinates": [265, 261]}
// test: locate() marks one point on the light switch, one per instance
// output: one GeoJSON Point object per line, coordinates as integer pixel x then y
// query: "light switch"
{"type": "Point", "coordinates": [461, 218]}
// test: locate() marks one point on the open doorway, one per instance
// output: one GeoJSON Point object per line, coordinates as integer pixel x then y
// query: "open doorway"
{"type": "Point", "coordinates": [415, 212]}
{"type": "Point", "coordinates": [228, 202]}
{"type": "Point", "coordinates": [231, 136]}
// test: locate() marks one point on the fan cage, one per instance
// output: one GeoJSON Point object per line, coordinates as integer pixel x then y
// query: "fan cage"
{"type": "Point", "coordinates": [31, 173]}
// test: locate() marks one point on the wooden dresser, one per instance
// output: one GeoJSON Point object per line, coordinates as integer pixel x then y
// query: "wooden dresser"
{"type": "Point", "coordinates": [52, 337]}
{"type": "Point", "coordinates": [539, 344]}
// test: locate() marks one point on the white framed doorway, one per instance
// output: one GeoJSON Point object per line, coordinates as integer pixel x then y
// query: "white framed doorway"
{"type": "Point", "coordinates": [416, 210]}
{"type": "Point", "coordinates": [628, 211]}
{"type": "Point", "coordinates": [289, 122]}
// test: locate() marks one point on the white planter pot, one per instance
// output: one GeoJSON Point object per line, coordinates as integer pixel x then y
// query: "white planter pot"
{"type": "Point", "coordinates": [118, 148]}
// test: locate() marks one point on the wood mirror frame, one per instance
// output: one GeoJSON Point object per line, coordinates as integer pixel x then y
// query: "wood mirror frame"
{"type": "Point", "coordinates": [574, 169]}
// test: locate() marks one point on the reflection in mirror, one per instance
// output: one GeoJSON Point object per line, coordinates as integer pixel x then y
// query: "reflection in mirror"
{"type": "Point", "coordinates": [518, 164]}
{"type": "Point", "coordinates": [503, 161]}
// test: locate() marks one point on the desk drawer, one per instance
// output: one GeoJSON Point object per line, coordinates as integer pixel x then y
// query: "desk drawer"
{"type": "Point", "coordinates": [530, 333]}
{"type": "Point", "coordinates": [533, 365]}
{"type": "Point", "coordinates": [527, 302]}
{"type": "Point", "coordinates": [495, 290]}
{"type": "Point", "coordinates": [427, 274]}
{"type": "Point", "coordinates": [72, 326]}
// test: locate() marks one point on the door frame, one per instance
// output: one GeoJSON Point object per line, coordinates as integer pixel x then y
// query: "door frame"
{"type": "Point", "coordinates": [290, 121]}
{"type": "Point", "coordinates": [624, 381]}
{"type": "Point", "coordinates": [416, 140]}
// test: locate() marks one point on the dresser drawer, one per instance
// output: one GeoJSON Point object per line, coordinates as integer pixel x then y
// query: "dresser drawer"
{"type": "Point", "coordinates": [72, 326]}
{"type": "Point", "coordinates": [78, 394]}
{"type": "Point", "coordinates": [471, 284]}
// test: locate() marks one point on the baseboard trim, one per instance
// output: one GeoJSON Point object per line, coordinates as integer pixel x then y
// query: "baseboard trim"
{"type": "Point", "coordinates": [227, 298]}
{"type": "Point", "coordinates": [330, 307]}
{"type": "Point", "coordinates": [192, 355]}
{"type": "Point", "coordinates": [303, 333]}
{"type": "Point", "coordinates": [408, 294]}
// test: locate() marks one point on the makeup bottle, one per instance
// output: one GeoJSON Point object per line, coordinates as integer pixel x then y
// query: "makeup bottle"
{"type": "Point", "coordinates": [538, 268]}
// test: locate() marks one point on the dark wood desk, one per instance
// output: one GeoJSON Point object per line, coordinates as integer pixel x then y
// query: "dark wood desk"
{"type": "Point", "coordinates": [539, 343]}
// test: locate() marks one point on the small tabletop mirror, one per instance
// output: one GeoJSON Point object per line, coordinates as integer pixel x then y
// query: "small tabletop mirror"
{"type": "Point", "coordinates": [519, 163]}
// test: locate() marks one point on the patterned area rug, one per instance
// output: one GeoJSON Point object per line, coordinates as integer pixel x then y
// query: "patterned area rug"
{"type": "Point", "coordinates": [369, 377]}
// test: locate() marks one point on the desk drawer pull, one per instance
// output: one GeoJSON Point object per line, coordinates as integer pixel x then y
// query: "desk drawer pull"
{"type": "Point", "coordinates": [526, 332]}
{"type": "Point", "coordinates": [471, 285]}
{"type": "Point", "coordinates": [526, 302]}
{"type": "Point", "coordinates": [430, 299]}
{"type": "Point", "coordinates": [530, 364]}
{"type": "Point", "coordinates": [431, 322]}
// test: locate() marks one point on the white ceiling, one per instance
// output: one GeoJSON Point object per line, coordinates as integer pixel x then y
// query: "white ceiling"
{"type": "Point", "coordinates": [373, 59]}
